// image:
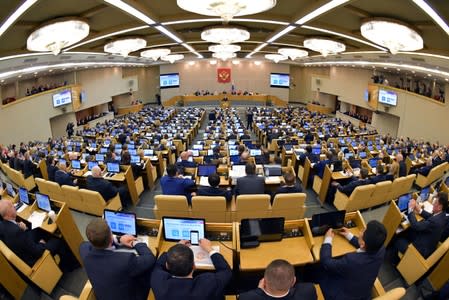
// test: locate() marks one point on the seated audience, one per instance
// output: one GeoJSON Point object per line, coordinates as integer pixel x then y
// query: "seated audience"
{"type": "Point", "coordinates": [290, 185]}
{"type": "Point", "coordinates": [116, 275]}
{"type": "Point", "coordinates": [174, 184]}
{"type": "Point", "coordinates": [62, 177]}
{"type": "Point", "coordinates": [173, 279]}
{"type": "Point", "coordinates": [251, 183]}
{"type": "Point", "coordinates": [185, 163]}
{"type": "Point", "coordinates": [349, 188]}
{"type": "Point", "coordinates": [28, 244]}
{"type": "Point", "coordinates": [352, 276]}
{"type": "Point", "coordinates": [424, 171]}
{"type": "Point", "coordinates": [279, 282]}
{"type": "Point", "coordinates": [424, 235]}
{"type": "Point", "coordinates": [96, 182]}
{"type": "Point", "coordinates": [213, 189]}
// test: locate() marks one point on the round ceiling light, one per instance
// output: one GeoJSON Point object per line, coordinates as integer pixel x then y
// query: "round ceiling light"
{"type": "Point", "coordinates": [324, 46]}
{"type": "Point", "coordinates": [226, 9]}
{"type": "Point", "coordinates": [224, 48]}
{"type": "Point", "coordinates": [224, 55]}
{"type": "Point", "coordinates": [125, 46]}
{"type": "Point", "coordinates": [155, 54]}
{"type": "Point", "coordinates": [172, 58]}
{"type": "Point", "coordinates": [293, 53]}
{"type": "Point", "coordinates": [275, 57]}
{"type": "Point", "coordinates": [57, 35]}
{"type": "Point", "coordinates": [225, 35]}
{"type": "Point", "coordinates": [392, 34]}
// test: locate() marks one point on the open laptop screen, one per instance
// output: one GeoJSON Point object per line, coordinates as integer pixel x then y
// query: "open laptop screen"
{"type": "Point", "coordinates": [43, 202]}
{"type": "Point", "coordinates": [403, 202]}
{"type": "Point", "coordinates": [91, 164]}
{"type": "Point", "coordinates": [265, 230]}
{"type": "Point", "coordinates": [176, 229]}
{"type": "Point", "coordinates": [76, 164]}
{"type": "Point", "coordinates": [322, 222]}
{"type": "Point", "coordinates": [113, 167]}
{"type": "Point", "coordinates": [205, 170]}
{"type": "Point", "coordinates": [120, 222]}
{"type": "Point", "coordinates": [23, 195]}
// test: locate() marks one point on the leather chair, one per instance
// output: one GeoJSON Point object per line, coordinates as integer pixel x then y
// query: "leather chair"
{"type": "Point", "coordinates": [291, 206]}
{"type": "Point", "coordinates": [211, 208]}
{"type": "Point", "coordinates": [171, 205]}
{"type": "Point", "coordinates": [251, 206]}
{"type": "Point", "coordinates": [357, 200]}
{"type": "Point", "coordinates": [95, 204]}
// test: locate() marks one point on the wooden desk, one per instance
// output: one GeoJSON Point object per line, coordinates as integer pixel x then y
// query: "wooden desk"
{"type": "Point", "coordinates": [295, 250]}
{"type": "Point", "coordinates": [339, 176]}
{"type": "Point", "coordinates": [226, 251]}
{"type": "Point", "coordinates": [223, 181]}
{"type": "Point", "coordinates": [340, 245]}
{"type": "Point", "coordinates": [129, 109]}
{"type": "Point", "coordinates": [152, 225]}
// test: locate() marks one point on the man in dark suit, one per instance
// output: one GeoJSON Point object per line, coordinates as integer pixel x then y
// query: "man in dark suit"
{"type": "Point", "coordinates": [290, 185]}
{"type": "Point", "coordinates": [185, 163]}
{"type": "Point", "coordinates": [51, 168]}
{"type": "Point", "coordinates": [352, 276]}
{"type": "Point", "coordinates": [402, 165]}
{"type": "Point", "coordinates": [213, 189]}
{"type": "Point", "coordinates": [279, 283]}
{"type": "Point", "coordinates": [96, 182]}
{"type": "Point", "coordinates": [116, 275]}
{"type": "Point", "coordinates": [424, 170]}
{"type": "Point", "coordinates": [171, 184]}
{"type": "Point", "coordinates": [426, 234]}
{"type": "Point", "coordinates": [29, 245]}
{"type": "Point", "coordinates": [319, 167]}
{"type": "Point", "coordinates": [308, 154]}
{"type": "Point", "coordinates": [62, 177]}
{"type": "Point", "coordinates": [173, 278]}
{"type": "Point", "coordinates": [349, 188]}
{"type": "Point", "coordinates": [29, 168]}
{"type": "Point", "coordinates": [251, 183]}
{"type": "Point", "coordinates": [245, 136]}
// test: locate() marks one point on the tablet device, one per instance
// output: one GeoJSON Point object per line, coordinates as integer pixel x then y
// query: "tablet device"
{"type": "Point", "coordinates": [121, 222]}
{"type": "Point", "coordinates": [43, 201]}
{"type": "Point", "coordinates": [176, 229]}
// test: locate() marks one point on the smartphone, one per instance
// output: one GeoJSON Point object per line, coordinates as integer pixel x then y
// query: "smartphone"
{"type": "Point", "coordinates": [194, 237]}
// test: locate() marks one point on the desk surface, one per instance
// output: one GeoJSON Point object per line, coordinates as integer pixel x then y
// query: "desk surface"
{"type": "Point", "coordinates": [340, 245]}
{"type": "Point", "coordinates": [294, 250]}
{"type": "Point", "coordinates": [227, 253]}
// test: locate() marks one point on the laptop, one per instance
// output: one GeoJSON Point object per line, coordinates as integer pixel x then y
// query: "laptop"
{"type": "Point", "coordinates": [316, 150]}
{"type": "Point", "coordinates": [195, 153]}
{"type": "Point", "coordinates": [235, 159]}
{"type": "Point", "coordinates": [255, 152]}
{"type": "Point", "coordinates": [148, 152]}
{"type": "Point", "coordinates": [322, 222]}
{"type": "Point", "coordinates": [176, 229]}
{"type": "Point", "coordinates": [206, 170]}
{"type": "Point", "coordinates": [91, 164]}
{"type": "Point", "coordinates": [272, 170]}
{"type": "Point", "coordinates": [43, 202]}
{"type": "Point", "coordinates": [99, 157]}
{"type": "Point", "coordinates": [121, 222]}
{"type": "Point", "coordinates": [233, 152]}
{"type": "Point", "coordinates": [135, 159]}
{"type": "Point", "coordinates": [24, 200]}
{"type": "Point", "coordinates": [403, 202]}
{"type": "Point", "coordinates": [425, 193]}
{"type": "Point", "coordinates": [254, 231]}
{"type": "Point", "coordinates": [362, 155]}
{"type": "Point", "coordinates": [76, 164]}
{"type": "Point", "coordinates": [373, 162]}
{"type": "Point", "coordinates": [112, 168]}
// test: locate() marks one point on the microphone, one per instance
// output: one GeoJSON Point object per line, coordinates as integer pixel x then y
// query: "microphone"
{"type": "Point", "coordinates": [51, 217]}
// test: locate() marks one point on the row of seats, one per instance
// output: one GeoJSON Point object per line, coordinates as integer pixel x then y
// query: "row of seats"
{"type": "Point", "coordinates": [215, 209]}
{"type": "Point", "coordinates": [370, 195]}
{"type": "Point", "coordinates": [17, 177]}
{"type": "Point", "coordinates": [434, 174]}
{"type": "Point", "coordinates": [83, 200]}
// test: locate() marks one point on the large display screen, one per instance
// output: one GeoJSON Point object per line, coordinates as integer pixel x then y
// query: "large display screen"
{"type": "Point", "coordinates": [388, 97]}
{"type": "Point", "coordinates": [169, 80]}
{"type": "Point", "coordinates": [62, 98]}
{"type": "Point", "coordinates": [279, 80]}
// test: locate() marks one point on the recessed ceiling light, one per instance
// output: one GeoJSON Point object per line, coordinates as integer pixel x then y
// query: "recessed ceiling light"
{"type": "Point", "coordinates": [20, 76]}
{"type": "Point", "coordinates": [191, 63]}
{"type": "Point", "coordinates": [446, 79]}
{"type": "Point", "coordinates": [257, 62]}
{"type": "Point", "coordinates": [430, 75]}
{"type": "Point", "coordinates": [35, 73]}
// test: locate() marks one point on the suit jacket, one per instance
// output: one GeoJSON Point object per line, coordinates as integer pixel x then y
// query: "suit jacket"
{"type": "Point", "coordinates": [301, 291]}
{"type": "Point", "coordinates": [426, 234]}
{"type": "Point", "coordinates": [349, 188]}
{"type": "Point", "coordinates": [351, 276]}
{"type": "Point", "coordinates": [207, 286]}
{"type": "Point", "coordinates": [319, 167]}
{"type": "Point", "coordinates": [289, 189]}
{"type": "Point", "coordinates": [213, 191]}
{"type": "Point", "coordinates": [402, 169]}
{"type": "Point", "coordinates": [186, 164]}
{"type": "Point", "coordinates": [29, 168]}
{"type": "Point", "coordinates": [250, 184]}
{"type": "Point", "coordinates": [118, 275]}
{"type": "Point", "coordinates": [63, 178]}
{"type": "Point", "coordinates": [21, 243]}
{"type": "Point", "coordinates": [176, 186]}
{"type": "Point", "coordinates": [51, 170]}
{"type": "Point", "coordinates": [103, 186]}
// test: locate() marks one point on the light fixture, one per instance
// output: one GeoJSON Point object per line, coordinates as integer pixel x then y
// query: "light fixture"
{"type": "Point", "coordinates": [213, 61]}
{"type": "Point", "coordinates": [392, 34]}
{"type": "Point", "coordinates": [320, 10]}
{"type": "Point", "coordinates": [172, 58]}
{"type": "Point", "coordinates": [324, 46]}
{"type": "Point", "coordinates": [125, 46]}
{"type": "Point", "coordinates": [15, 15]}
{"type": "Point", "coordinates": [57, 35]}
{"type": "Point", "coordinates": [257, 62]}
{"type": "Point", "coordinates": [433, 14]}
{"type": "Point", "coordinates": [293, 53]}
{"type": "Point", "coordinates": [225, 35]}
{"type": "Point", "coordinates": [224, 48]}
{"type": "Point", "coordinates": [191, 63]}
{"type": "Point", "coordinates": [131, 11]}
{"type": "Point", "coordinates": [224, 55]}
{"type": "Point", "coordinates": [155, 54]}
{"type": "Point", "coordinates": [226, 9]}
{"type": "Point", "coordinates": [235, 62]}
{"type": "Point", "coordinates": [275, 57]}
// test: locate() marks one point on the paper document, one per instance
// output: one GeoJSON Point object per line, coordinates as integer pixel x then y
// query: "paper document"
{"type": "Point", "coordinates": [204, 181]}
{"type": "Point", "coordinates": [87, 173]}
{"type": "Point", "coordinates": [201, 257]}
{"type": "Point", "coordinates": [36, 219]}
{"type": "Point", "coordinates": [428, 207]}
{"type": "Point", "coordinates": [272, 180]}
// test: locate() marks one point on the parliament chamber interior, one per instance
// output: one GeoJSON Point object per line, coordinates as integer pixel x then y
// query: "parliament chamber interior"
{"type": "Point", "coordinates": [236, 149]}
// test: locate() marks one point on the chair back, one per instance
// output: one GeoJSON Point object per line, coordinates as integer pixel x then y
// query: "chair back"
{"type": "Point", "coordinates": [252, 206]}
{"type": "Point", "coordinates": [171, 205]}
{"type": "Point", "coordinates": [211, 208]}
{"type": "Point", "coordinates": [291, 206]}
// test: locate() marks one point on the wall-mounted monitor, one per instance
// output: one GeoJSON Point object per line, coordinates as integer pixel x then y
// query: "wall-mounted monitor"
{"type": "Point", "coordinates": [388, 97]}
{"type": "Point", "coordinates": [279, 80]}
{"type": "Point", "coordinates": [168, 81]}
{"type": "Point", "coordinates": [62, 98]}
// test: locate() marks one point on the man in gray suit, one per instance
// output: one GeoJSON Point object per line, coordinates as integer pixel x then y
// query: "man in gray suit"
{"type": "Point", "coordinates": [251, 183]}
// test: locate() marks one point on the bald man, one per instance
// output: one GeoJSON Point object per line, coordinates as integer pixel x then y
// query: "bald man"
{"type": "Point", "coordinates": [62, 177]}
{"type": "Point", "coordinates": [185, 163]}
{"type": "Point", "coordinates": [97, 183]}
{"type": "Point", "coordinates": [30, 244]}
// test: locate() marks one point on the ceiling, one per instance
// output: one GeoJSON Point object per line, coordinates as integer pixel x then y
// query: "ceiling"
{"type": "Point", "coordinates": [341, 23]}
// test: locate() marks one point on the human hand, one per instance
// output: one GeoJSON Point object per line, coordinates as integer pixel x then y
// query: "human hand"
{"type": "Point", "coordinates": [22, 226]}
{"type": "Point", "coordinates": [127, 240]}
{"type": "Point", "coordinates": [206, 245]}
{"type": "Point", "coordinates": [329, 233]}
{"type": "Point", "coordinates": [184, 242]}
{"type": "Point", "coordinates": [344, 231]}
{"type": "Point", "coordinates": [412, 204]}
